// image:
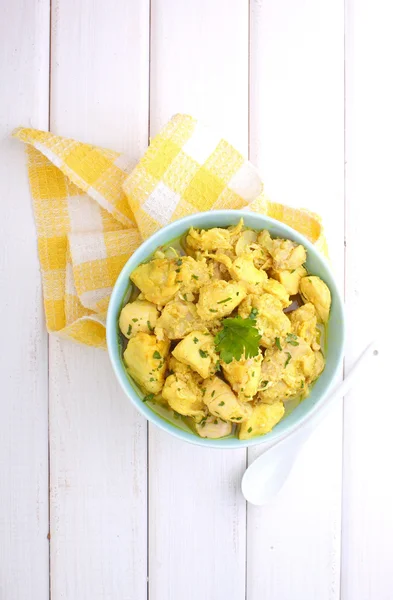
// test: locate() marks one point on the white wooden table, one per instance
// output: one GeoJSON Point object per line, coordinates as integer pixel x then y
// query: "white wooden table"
{"type": "Point", "coordinates": [96, 504]}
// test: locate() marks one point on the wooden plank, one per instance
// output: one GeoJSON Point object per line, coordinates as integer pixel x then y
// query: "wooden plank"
{"type": "Point", "coordinates": [24, 60]}
{"type": "Point", "coordinates": [98, 441]}
{"type": "Point", "coordinates": [296, 140]}
{"type": "Point", "coordinates": [199, 65]}
{"type": "Point", "coordinates": [368, 445]}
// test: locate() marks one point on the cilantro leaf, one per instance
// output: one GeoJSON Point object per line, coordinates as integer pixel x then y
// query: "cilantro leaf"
{"type": "Point", "coordinates": [237, 337]}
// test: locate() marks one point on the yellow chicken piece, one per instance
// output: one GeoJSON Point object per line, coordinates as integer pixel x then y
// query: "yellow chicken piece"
{"type": "Point", "coordinates": [210, 239]}
{"type": "Point", "coordinates": [304, 324]}
{"type": "Point", "coordinates": [244, 242]}
{"type": "Point", "coordinates": [270, 319]}
{"type": "Point", "coordinates": [286, 370]}
{"type": "Point", "coordinates": [222, 402]}
{"type": "Point", "coordinates": [275, 288]}
{"type": "Point", "coordinates": [243, 269]}
{"type": "Point", "coordinates": [175, 366]}
{"type": "Point", "coordinates": [290, 279]}
{"type": "Point", "coordinates": [277, 391]}
{"type": "Point", "coordinates": [244, 376]}
{"type": "Point", "coordinates": [184, 395]}
{"type": "Point", "coordinates": [219, 299]}
{"type": "Point", "coordinates": [157, 280]}
{"type": "Point", "coordinates": [198, 352]}
{"type": "Point", "coordinates": [177, 319]}
{"type": "Point", "coordinates": [313, 289]}
{"type": "Point", "coordinates": [262, 420]}
{"type": "Point", "coordinates": [192, 274]}
{"type": "Point", "coordinates": [213, 428]}
{"type": "Point", "coordinates": [145, 359]}
{"type": "Point", "coordinates": [272, 366]}
{"type": "Point", "coordinates": [137, 316]}
{"type": "Point", "coordinates": [286, 254]}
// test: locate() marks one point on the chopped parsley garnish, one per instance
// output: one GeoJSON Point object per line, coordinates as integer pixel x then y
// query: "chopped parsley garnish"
{"type": "Point", "coordinates": [203, 392]}
{"type": "Point", "coordinates": [151, 379]}
{"type": "Point", "coordinates": [213, 310]}
{"type": "Point", "coordinates": [253, 314]}
{"type": "Point", "coordinates": [195, 340]}
{"type": "Point", "coordinates": [218, 365]}
{"type": "Point", "coordinates": [157, 355]}
{"type": "Point", "coordinates": [237, 293]}
{"type": "Point", "coordinates": [278, 343]}
{"type": "Point", "coordinates": [264, 383]}
{"type": "Point", "coordinates": [221, 403]}
{"type": "Point", "coordinates": [223, 301]}
{"type": "Point", "coordinates": [293, 270]}
{"type": "Point", "coordinates": [203, 353]}
{"type": "Point", "coordinates": [149, 326]}
{"type": "Point", "coordinates": [302, 386]}
{"type": "Point", "coordinates": [148, 398]}
{"type": "Point", "coordinates": [253, 374]}
{"type": "Point", "coordinates": [179, 262]}
{"type": "Point", "coordinates": [213, 392]}
{"type": "Point", "coordinates": [288, 359]}
{"type": "Point", "coordinates": [135, 320]}
{"type": "Point", "coordinates": [129, 330]}
{"type": "Point", "coordinates": [249, 430]}
{"type": "Point", "coordinates": [291, 339]}
{"type": "Point", "coordinates": [237, 337]}
{"type": "Point", "coordinates": [238, 418]}
{"type": "Point", "coordinates": [203, 423]}
{"type": "Point", "coordinates": [215, 422]}
{"type": "Point", "coordinates": [195, 277]}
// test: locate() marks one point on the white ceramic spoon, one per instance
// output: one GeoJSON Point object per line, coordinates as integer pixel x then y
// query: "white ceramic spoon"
{"type": "Point", "coordinates": [265, 477]}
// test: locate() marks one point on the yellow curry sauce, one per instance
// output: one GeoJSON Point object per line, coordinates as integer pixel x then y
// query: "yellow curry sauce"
{"type": "Point", "coordinates": [228, 335]}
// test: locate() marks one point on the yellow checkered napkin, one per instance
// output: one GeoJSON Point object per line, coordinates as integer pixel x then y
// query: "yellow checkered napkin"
{"type": "Point", "coordinates": [92, 210]}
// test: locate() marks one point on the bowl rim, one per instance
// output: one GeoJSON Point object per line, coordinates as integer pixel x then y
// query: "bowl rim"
{"type": "Point", "coordinates": [112, 331]}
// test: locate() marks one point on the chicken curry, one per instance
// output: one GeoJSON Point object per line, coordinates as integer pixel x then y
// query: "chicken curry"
{"type": "Point", "coordinates": [226, 332]}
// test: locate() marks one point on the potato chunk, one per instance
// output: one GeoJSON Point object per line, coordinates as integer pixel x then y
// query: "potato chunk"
{"type": "Point", "coordinates": [290, 279]}
{"type": "Point", "coordinates": [177, 320]}
{"type": "Point", "coordinates": [304, 323]}
{"type": "Point", "coordinates": [275, 288]}
{"type": "Point", "coordinates": [243, 269]}
{"type": "Point", "coordinates": [157, 280]}
{"type": "Point", "coordinates": [219, 299]}
{"type": "Point", "coordinates": [222, 402]}
{"type": "Point", "coordinates": [314, 290]}
{"type": "Point", "coordinates": [262, 420]}
{"type": "Point", "coordinates": [137, 316]}
{"type": "Point", "coordinates": [244, 376]}
{"type": "Point", "coordinates": [198, 352]}
{"type": "Point", "coordinates": [145, 359]}
{"type": "Point", "coordinates": [184, 395]}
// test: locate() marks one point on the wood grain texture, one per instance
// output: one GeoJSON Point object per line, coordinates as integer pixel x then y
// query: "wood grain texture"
{"type": "Point", "coordinates": [24, 564]}
{"type": "Point", "coordinates": [297, 141]}
{"type": "Point", "coordinates": [199, 65]}
{"type": "Point", "coordinates": [367, 535]}
{"type": "Point", "coordinates": [98, 441]}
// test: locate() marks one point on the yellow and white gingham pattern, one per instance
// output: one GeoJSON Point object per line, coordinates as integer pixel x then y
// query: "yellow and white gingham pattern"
{"type": "Point", "coordinates": [91, 213]}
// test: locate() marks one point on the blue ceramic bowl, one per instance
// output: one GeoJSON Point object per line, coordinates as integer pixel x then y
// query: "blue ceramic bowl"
{"type": "Point", "coordinates": [316, 265]}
